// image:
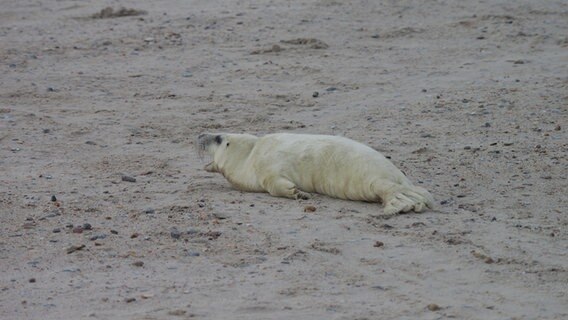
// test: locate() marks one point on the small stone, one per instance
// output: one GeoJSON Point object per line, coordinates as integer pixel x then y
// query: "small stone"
{"type": "Point", "coordinates": [129, 300]}
{"type": "Point", "coordinates": [220, 215]}
{"type": "Point", "coordinates": [91, 143]}
{"type": "Point", "coordinates": [177, 312]}
{"type": "Point", "coordinates": [138, 263]}
{"type": "Point", "coordinates": [53, 198]}
{"type": "Point", "coordinates": [331, 89]}
{"type": "Point", "coordinates": [149, 211]}
{"type": "Point", "coordinates": [433, 307]}
{"type": "Point", "coordinates": [193, 254]}
{"type": "Point", "coordinates": [29, 225]}
{"type": "Point", "coordinates": [558, 128]}
{"type": "Point", "coordinates": [78, 229]}
{"type": "Point", "coordinates": [315, 94]}
{"type": "Point", "coordinates": [75, 248]}
{"type": "Point", "coordinates": [113, 231]}
{"type": "Point", "coordinates": [56, 230]}
{"type": "Point", "coordinates": [128, 178]}
{"type": "Point", "coordinates": [134, 235]}
{"type": "Point", "coordinates": [310, 209]}
{"type": "Point", "coordinates": [97, 237]}
{"type": "Point", "coordinates": [69, 226]}
{"type": "Point", "coordinates": [487, 125]}
{"type": "Point", "coordinates": [32, 280]}
{"type": "Point", "coordinates": [46, 130]}
{"type": "Point", "coordinates": [193, 231]}
{"type": "Point", "coordinates": [87, 226]}
{"type": "Point", "coordinates": [378, 244]}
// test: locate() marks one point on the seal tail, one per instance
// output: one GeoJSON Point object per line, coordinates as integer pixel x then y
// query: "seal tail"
{"type": "Point", "coordinates": [407, 198]}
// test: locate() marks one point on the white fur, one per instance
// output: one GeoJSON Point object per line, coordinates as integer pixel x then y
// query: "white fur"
{"type": "Point", "coordinates": [294, 165]}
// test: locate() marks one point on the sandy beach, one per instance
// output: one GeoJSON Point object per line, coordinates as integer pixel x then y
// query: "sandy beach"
{"type": "Point", "coordinates": [106, 211]}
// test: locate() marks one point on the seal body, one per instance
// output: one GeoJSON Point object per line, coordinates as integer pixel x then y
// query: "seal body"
{"type": "Point", "coordinates": [295, 165]}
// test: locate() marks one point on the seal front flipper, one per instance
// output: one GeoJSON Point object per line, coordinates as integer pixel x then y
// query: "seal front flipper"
{"type": "Point", "coordinates": [211, 167]}
{"type": "Point", "coordinates": [281, 187]}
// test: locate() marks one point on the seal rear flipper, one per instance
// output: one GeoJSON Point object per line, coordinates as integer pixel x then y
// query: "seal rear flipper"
{"type": "Point", "coordinates": [408, 198]}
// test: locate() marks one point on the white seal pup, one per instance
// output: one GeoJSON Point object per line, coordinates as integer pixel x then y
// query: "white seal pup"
{"type": "Point", "coordinates": [295, 165]}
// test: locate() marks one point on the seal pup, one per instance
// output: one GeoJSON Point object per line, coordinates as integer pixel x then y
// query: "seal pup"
{"type": "Point", "coordinates": [295, 165]}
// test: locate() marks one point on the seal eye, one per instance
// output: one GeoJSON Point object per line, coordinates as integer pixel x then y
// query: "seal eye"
{"type": "Point", "coordinates": [218, 139]}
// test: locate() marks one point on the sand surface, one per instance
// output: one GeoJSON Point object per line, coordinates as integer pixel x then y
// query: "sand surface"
{"type": "Point", "coordinates": [468, 98]}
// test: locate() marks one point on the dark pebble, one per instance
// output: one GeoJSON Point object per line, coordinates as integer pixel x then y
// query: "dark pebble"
{"type": "Point", "coordinates": [193, 254]}
{"type": "Point", "coordinates": [134, 235]}
{"type": "Point", "coordinates": [129, 300]}
{"type": "Point", "coordinates": [375, 36]}
{"type": "Point", "coordinates": [331, 89]}
{"type": "Point", "coordinates": [128, 178]}
{"type": "Point", "coordinates": [56, 230]}
{"type": "Point", "coordinates": [87, 226]}
{"type": "Point", "coordinates": [315, 94]}
{"type": "Point", "coordinates": [487, 125]}
{"type": "Point", "coordinates": [149, 211]}
{"type": "Point", "coordinates": [113, 231]}
{"type": "Point", "coordinates": [32, 280]}
{"type": "Point", "coordinates": [51, 89]}
{"type": "Point", "coordinates": [175, 233]}
{"type": "Point", "coordinates": [378, 244]}
{"type": "Point", "coordinates": [46, 130]}
{"type": "Point", "coordinates": [53, 198]}
{"type": "Point", "coordinates": [92, 143]}
{"type": "Point", "coordinates": [138, 264]}
{"type": "Point", "coordinates": [69, 226]}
